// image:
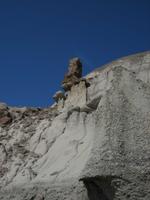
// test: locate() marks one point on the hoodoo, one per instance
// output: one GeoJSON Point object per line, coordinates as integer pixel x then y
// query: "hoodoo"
{"type": "Point", "coordinates": [92, 144]}
{"type": "Point", "coordinates": [74, 74]}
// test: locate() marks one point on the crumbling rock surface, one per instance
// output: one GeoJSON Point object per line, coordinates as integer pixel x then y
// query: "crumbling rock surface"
{"type": "Point", "coordinates": [94, 144]}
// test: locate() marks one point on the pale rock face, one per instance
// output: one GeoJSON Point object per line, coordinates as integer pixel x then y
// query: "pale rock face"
{"type": "Point", "coordinates": [94, 144]}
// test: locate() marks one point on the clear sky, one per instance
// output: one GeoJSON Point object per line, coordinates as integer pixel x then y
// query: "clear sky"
{"type": "Point", "coordinates": [38, 37]}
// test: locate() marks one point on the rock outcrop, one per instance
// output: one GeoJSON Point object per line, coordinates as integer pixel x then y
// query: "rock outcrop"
{"type": "Point", "coordinates": [93, 144]}
{"type": "Point", "coordinates": [74, 74]}
{"type": "Point", "coordinates": [5, 117]}
{"type": "Point", "coordinates": [58, 96]}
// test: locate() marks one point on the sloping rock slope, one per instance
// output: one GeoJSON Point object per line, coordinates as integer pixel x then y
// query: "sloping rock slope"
{"type": "Point", "coordinates": [94, 144]}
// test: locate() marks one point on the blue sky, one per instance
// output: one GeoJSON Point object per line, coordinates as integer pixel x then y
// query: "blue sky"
{"type": "Point", "coordinates": [38, 37]}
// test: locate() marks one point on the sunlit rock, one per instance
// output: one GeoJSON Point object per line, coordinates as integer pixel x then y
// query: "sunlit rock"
{"type": "Point", "coordinates": [93, 144]}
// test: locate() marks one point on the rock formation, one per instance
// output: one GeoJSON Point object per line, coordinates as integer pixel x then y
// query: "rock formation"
{"type": "Point", "coordinates": [5, 117]}
{"type": "Point", "coordinates": [74, 74]}
{"type": "Point", "coordinates": [93, 144]}
{"type": "Point", "coordinates": [58, 96]}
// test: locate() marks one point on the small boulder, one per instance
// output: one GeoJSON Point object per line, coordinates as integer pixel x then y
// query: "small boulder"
{"type": "Point", "coordinates": [3, 106]}
{"type": "Point", "coordinates": [5, 120]}
{"type": "Point", "coordinates": [58, 96]}
{"type": "Point", "coordinates": [5, 116]}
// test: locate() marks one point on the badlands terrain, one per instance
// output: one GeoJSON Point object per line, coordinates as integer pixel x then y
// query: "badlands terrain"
{"type": "Point", "coordinates": [93, 143]}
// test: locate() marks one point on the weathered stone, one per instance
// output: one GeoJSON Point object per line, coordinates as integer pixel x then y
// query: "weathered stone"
{"type": "Point", "coordinates": [5, 120]}
{"type": "Point", "coordinates": [58, 96]}
{"type": "Point", "coordinates": [75, 67]}
{"type": "Point", "coordinates": [95, 145]}
{"type": "Point", "coordinates": [3, 106]}
{"type": "Point", "coordinates": [5, 117]}
{"type": "Point", "coordinates": [76, 96]}
{"type": "Point", "coordinates": [74, 74]}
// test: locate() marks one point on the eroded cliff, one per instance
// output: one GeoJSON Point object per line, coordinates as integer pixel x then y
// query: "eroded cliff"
{"type": "Point", "coordinates": [93, 143]}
